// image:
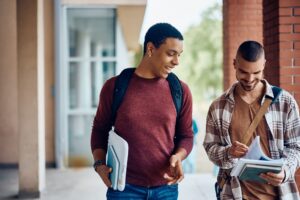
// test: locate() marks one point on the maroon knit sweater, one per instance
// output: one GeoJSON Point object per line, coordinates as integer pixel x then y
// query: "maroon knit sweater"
{"type": "Point", "coordinates": [146, 120]}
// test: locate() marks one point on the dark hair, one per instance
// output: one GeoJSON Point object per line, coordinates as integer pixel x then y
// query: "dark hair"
{"type": "Point", "coordinates": [250, 50]}
{"type": "Point", "coordinates": [158, 33]}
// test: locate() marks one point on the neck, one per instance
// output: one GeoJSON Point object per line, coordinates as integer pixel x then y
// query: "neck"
{"type": "Point", "coordinates": [144, 69]}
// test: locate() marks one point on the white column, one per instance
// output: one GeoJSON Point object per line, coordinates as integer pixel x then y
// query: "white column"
{"type": "Point", "coordinates": [84, 75]}
{"type": "Point", "coordinates": [98, 71]}
{"type": "Point", "coordinates": [31, 116]}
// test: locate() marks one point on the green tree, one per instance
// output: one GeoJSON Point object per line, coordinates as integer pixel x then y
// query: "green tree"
{"type": "Point", "coordinates": [201, 61]}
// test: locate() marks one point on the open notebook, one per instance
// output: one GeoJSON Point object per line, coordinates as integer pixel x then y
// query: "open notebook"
{"type": "Point", "coordinates": [117, 156]}
{"type": "Point", "coordinates": [254, 163]}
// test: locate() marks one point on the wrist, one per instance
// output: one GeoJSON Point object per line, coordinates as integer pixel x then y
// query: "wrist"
{"type": "Point", "coordinates": [178, 157]}
{"type": "Point", "coordinates": [180, 154]}
{"type": "Point", "coordinates": [98, 163]}
{"type": "Point", "coordinates": [229, 155]}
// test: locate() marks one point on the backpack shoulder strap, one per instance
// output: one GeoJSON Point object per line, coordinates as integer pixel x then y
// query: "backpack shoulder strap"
{"type": "Point", "coordinates": [176, 91]}
{"type": "Point", "coordinates": [122, 82]}
{"type": "Point", "coordinates": [121, 85]}
{"type": "Point", "coordinates": [276, 91]}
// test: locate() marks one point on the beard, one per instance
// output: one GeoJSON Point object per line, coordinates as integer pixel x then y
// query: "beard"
{"type": "Point", "coordinates": [249, 86]}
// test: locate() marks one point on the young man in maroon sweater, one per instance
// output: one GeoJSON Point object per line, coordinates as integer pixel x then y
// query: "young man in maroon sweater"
{"type": "Point", "coordinates": [146, 119]}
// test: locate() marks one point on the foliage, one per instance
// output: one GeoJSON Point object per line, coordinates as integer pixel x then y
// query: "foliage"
{"type": "Point", "coordinates": [138, 56]}
{"type": "Point", "coordinates": [201, 62]}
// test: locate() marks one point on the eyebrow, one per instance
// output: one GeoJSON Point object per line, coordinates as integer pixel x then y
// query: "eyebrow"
{"type": "Point", "coordinates": [250, 73]}
{"type": "Point", "coordinates": [173, 50]}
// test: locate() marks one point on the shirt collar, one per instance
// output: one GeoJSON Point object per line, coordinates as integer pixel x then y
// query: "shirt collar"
{"type": "Point", "coordinates": [268, 92]}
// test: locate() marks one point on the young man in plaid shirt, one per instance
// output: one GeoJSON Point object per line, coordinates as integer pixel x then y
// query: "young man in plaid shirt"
{"type": "Point", "coordinates": [230, 115]}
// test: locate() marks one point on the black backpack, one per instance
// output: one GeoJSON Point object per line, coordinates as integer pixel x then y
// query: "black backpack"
{"type": "Point", "coordinates": [122, 83]}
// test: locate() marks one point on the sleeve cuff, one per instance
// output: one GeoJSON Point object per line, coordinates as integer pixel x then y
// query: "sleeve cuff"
{"type": "Point", "coordinates": [228, 157]}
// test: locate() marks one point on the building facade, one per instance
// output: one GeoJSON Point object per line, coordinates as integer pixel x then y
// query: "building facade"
{"type": "Point", "coordinates": [55, 57]}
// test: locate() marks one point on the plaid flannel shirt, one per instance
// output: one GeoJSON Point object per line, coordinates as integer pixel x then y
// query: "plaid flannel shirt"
{"type": "Point", "coordinates": [283, 122]}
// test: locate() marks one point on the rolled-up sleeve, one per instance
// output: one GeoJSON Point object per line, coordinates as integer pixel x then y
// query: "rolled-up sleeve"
{"type": "Point", "coordinates": [214, 146]}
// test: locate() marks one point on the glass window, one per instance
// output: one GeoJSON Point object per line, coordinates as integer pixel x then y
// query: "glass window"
{"type": "Point", "coordinates": [100, 72]}
{"type": "Point", "coordinates": [90, 60]}
{"type": "Point", "coordinates": [91, 32]}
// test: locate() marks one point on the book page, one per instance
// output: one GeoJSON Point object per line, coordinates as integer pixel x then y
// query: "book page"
{"type": "Point", "coordinates": [255, 151]}
{"type": "Point", "coordinates": [255, 156]}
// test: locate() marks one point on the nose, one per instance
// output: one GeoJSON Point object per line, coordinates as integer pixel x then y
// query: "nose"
{"type": "Point", "coordinates": [250, 78]}
{"type": "Point", "coordinates": [175, 60]}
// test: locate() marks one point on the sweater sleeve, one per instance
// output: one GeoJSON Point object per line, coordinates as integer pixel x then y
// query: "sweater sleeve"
{"type": "Point", "coordinates": [184, 131]}
{"type": "Point", "coordinates": [102, 121]}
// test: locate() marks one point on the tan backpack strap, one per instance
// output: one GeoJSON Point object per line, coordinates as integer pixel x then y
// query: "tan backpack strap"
{"type": "Point", "coordinates": [263, 109]}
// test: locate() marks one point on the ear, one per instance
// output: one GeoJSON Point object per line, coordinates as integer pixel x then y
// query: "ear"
{"type": "Point", "coordinates": [150, 46]}
{"type": "Point", "coordinates": [234, 63]}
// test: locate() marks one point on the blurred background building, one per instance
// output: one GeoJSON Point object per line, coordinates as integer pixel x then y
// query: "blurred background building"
{"type": "Point", "coordinates": [56, 55]}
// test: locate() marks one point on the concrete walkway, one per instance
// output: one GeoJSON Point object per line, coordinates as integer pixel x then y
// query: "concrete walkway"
{"type": "Point", "coordinates": [84, 183]}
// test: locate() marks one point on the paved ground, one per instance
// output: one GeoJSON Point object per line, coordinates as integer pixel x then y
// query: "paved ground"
{"type": "Point", "coordinates": [83, 183]}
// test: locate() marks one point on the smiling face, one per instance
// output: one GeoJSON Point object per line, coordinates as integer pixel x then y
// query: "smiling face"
{"type": "Point", "coordinates": [164, 58]}
{"type": "Point", "coordinates": [249, 74]}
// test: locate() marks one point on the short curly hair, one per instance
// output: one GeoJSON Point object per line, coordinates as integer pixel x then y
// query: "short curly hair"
{"type": "Point", "coordinates": [158, 33]}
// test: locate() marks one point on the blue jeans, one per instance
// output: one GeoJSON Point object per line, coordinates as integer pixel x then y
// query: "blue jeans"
{"type": "Point", "coordinates": [133, 192]}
